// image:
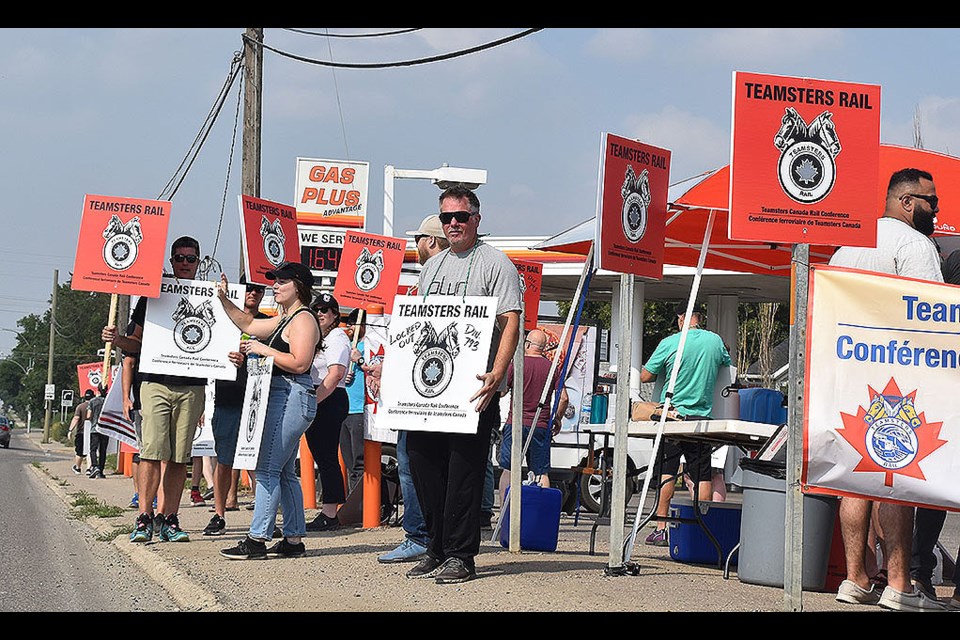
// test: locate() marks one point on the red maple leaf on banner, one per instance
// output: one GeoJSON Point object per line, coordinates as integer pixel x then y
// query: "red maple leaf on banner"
{"type": "Point", "coordinates": [890, 436]}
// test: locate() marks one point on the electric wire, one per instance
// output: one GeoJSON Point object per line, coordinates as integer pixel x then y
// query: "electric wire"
{"type": "Point", "coordinates": [352, 35]}
{"type": "Point", "coordinates": [226, 186]}
{"type": "Point", "coordinates": [401, 63]}
{"type": "Point", "coordinates": [336, 89]}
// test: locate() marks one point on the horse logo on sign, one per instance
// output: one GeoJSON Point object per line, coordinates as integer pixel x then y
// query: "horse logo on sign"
{"type": "Point", "coordinates": [120, 248]}
{"type": "Point", "coordinates": [636, 199]}
{"type": "Point", "coordinates": [273, 239]}
{"type": "Point", "coordinates": [806, 169]}
{"type": "Point", "coordinates": [433, 368]}
{"type": "Point", "coordinates": [193, 328]}
{"type": "Point", "coordinates": [369, 266]}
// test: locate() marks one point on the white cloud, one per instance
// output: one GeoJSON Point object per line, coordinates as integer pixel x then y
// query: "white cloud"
{"type": "Point", "coordinates": [621, 44]}
{"type": "Point", "coordinates": [696, 143]}
{"type": "Point", "coordinates": [767, 45]}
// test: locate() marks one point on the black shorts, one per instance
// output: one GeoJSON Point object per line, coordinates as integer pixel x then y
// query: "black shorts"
{"type": "Point", "coordinates": [697, 456]}
{"type": "Point", "coordinates": [78, 443]}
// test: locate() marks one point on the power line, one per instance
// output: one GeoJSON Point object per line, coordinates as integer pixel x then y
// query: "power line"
{"type": "Point", "coordinates": [402, 63]}
{"type": "Point", "coordinates": [336, 88]}
{"type": "Point", "coordinates": [226, 185]}
{"type": "Point", "coordinates": [352, 35]}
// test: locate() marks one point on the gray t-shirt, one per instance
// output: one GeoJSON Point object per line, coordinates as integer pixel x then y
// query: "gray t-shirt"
{"type": "Point", "coordinates": [480, 271]}
{"type": "Point", "coordinates": [901, 250]}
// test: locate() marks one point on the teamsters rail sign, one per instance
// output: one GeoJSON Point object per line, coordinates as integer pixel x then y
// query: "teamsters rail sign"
{"type": "Point", "coordinates": [882, 418]}
{"type": "Point", "coordinates": [437, 346]}
{"type": "Point", "coordinates": [187, 332]}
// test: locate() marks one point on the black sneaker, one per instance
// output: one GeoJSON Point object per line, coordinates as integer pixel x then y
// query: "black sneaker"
{"type": "Point", "coordinates": [277, 533]}
{"type": "Point", "coordinates": [99, 474]}
{"type": "Point", "coordinates": [426, 568]}
{"type": "Point", "coordinates": [76, 469]}
{"type": "Point", "coordinates": [215, 527]}
{"type": "Point", "coordinates": [284, 549]}
{"type": "Point", "coordinates": [246, 549]}
{"type": "Point", "coordinates": [323, 523]}
{"type": "Point", "coordinates": [454, 571]}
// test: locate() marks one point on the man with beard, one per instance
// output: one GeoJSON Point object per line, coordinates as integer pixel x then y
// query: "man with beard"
{"type": "Point", "coordinates": [903, 248]}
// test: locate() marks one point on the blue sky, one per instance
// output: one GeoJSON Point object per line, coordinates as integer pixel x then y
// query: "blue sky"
{"type": "Point", "coordinates": [114, 111]}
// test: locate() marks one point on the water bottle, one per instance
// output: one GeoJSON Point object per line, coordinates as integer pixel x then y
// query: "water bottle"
{"type": "Point", "coordinates": [252, 358]}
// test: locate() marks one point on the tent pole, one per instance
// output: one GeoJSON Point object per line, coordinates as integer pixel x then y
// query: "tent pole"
{"type": "Point", "coordinates": [638, 521]}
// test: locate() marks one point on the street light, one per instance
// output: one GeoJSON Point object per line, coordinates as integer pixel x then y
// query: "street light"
{"type": "Point", "coordinates": [444, 177]}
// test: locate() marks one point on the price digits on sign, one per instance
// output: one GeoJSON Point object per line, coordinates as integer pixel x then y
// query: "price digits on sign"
{"type": "Point", "coordinates": [321, 258]}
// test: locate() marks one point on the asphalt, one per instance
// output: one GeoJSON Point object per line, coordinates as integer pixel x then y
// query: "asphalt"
{"type": "Point", "coordinates": [340, 571]}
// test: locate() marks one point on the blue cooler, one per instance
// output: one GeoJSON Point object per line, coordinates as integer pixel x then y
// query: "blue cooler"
{"type": "Point", "coordinates": [762, 405]}
{"type": "Point", "coordinates": [539, 518]}
{"type": "Point", "coordinates": [689, 543]}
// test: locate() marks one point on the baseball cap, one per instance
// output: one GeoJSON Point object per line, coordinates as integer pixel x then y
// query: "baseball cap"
{"type": "Point", "coordinates": [88, 394]}
{"type": "Point", "coordinates": [430, 226]}
{"type": "Point", "coordinates": [292, 271]}
{"type": "Point", "coordinates": [325, 300]}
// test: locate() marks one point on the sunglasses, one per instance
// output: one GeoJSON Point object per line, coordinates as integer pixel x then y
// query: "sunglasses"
{"type": "Point", "coordinates": [322, 309]}
{"type": "Point", "coordinates": [181, 258]}
{"type": "Point", "coordinates": [254, 288]}
{"type": "Point", "coordinates": [933, 201]}
{"type": "Point", "coordinates": [462, 216]}
{"type": "Point", "coordinates": [417, 239]}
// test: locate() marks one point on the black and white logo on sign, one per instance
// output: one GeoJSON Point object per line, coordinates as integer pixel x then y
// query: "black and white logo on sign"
{"type": "Point", "coordinates": [273, 239]}
{"type": "Point", "coordinates": [636, 200]}
{"type": "Point", "coordinates": [193, 327]}
{"type": "Point", "coordinates": [94, 377]}
{"type": "Point", "coordinates": [433, 368]}
{"type": "Point", "coordinates": [369, 266]}
{"type": "Point", "coordinates": [251, 429]}
{"type": "Point", "coordinates": [120, 248]}
{"type": "Point", "coordinates": [806, 169]}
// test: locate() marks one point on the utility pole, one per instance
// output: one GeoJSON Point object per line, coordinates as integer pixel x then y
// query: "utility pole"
{"type": "Point", "coordinates": [252, 114]}
{"type": "Point", "coordinates": [53, 325]}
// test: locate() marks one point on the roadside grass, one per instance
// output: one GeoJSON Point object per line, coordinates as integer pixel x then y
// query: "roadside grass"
{"type": "Point", "coordinates": [86, 505]}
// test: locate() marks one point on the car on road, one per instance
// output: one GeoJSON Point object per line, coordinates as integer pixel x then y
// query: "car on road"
{"type": "Point", "coordinates": [4, 432]}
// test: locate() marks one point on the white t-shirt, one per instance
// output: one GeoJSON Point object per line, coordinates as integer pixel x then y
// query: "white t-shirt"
{"type": "Point", "coordinates": [901, 250]}
{"type": "Point", "coordinates": [336, 350]}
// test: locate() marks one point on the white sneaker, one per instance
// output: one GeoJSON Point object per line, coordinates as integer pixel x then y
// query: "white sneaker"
{"type": "Point", "coordinates": [852, 593]}
{"type": "Point", "coordinates": [916, 601]}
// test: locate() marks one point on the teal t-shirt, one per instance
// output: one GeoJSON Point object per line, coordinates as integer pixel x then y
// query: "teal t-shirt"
{"type": "Point", "coordinates": [703, 355]}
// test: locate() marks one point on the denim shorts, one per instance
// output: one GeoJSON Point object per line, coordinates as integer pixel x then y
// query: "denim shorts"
{"type": "Point", "coordinates": [538, 454]}
{"type": "Point", "coordinates": [226, 428]}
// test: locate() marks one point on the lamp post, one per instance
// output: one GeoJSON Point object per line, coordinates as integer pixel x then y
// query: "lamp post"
{"type": "Point", "coordinates": [444, 176]}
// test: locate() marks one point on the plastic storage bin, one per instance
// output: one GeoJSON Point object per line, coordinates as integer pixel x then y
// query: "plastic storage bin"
{"type": "Point", "coordinates": [690, 544]}
{"type": "Point", "coordinates": [539, 518]}
{"type": "Point", "coordinates": [762, 533]}
{"type": "Point", "coordinates": [762, 405]}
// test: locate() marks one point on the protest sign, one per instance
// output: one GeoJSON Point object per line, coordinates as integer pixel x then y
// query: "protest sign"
{"type": "Point", "coordinates": [121, 246]}
{"type": "Point", "coordinates": [436, 348]}
{"type": "Point", "coordinates": [369, 270]}
{"type": "Point", "coordinates": [531, 283]}
{"type": "Point", "coordinates": [90, 376]}
{"type": "Point", "coordinates": [187, 332]}
{"type": "Point", "coordinates": [269, 237]}
{"type": "Point", "coordinates": [255, 396]}
{"type": "Point", "coordinates": [203, 441]}
{"type": "Point", "coordinates": [112, 421]}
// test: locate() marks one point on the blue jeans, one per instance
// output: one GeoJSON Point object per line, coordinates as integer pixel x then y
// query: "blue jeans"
{"type": "Point", "coordinates": [290, 409]}
{"type": "Point", "coordinates": [413, 524]}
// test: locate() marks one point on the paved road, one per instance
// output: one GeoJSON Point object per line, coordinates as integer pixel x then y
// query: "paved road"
{"type": "Point", "coordinates": [53, 562]}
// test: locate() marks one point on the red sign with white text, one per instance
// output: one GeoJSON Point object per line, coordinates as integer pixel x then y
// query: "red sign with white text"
{"type": "Point", "coordinates": [369, 270]}
{"type": "Point", "coordinates": [91, 376]}
{"type": "Point", "coordinates": [268, 232]}
{"type": "Point", "coordinates": [531, 284]}
{"type": "Point", "coordinates": [122, 245]}
{"type": "Point", "coordinates": [631, 207]}
{"type": "Point", "coordinates": [804, 162]}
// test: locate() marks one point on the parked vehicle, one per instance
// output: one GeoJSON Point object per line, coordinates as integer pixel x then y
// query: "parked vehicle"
{"type": "Point", "coordinates": [4, 432]}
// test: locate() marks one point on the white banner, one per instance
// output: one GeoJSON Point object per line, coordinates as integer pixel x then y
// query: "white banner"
{"type": "Point", "coordinates": [203, 443]}
{"type": "Point", "coordinates": [437, 347]}
{"type": "Point", "coordinates": [255, 396]}
{"type": "Point", "coordinates": [111, 421]}
{"type": "Point", "coordinates": [883, 414]}
{"type": "Point", "coordinates": [374, 339]}
{"type": "Point", "coordinates": [187, 333]}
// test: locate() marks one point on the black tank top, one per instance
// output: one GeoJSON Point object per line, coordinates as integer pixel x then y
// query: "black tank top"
{"type": "Point", "coordinates": [276, 341]}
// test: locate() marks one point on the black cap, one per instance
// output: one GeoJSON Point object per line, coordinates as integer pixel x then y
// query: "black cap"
{"type": "Point", "coordinates": [88, 394]}
{"type": "Point", "coordinates": [325, 299]}
{"type": "Point", "coordinates": [293, 271]}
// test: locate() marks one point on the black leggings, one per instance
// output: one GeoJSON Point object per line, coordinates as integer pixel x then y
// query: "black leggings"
{"type": "Point", "coordinates": [323, 439]}
{"type": "Point", "coordinates": [98, 449]}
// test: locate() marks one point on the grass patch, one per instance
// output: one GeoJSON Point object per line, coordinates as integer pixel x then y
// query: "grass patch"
{"type": "Point", "coordinates": [109, 536]}
{"type": "Point", "coordinates": [86, 505]}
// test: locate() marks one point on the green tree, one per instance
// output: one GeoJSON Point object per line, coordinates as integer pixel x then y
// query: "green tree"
{"type": "Point", "coordinates": [80, 317]}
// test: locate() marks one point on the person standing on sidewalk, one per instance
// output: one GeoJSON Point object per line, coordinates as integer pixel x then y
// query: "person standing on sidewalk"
{"type": "Point", "coordinates": [903, 248]}
{"type": "Point", "coordinates": [291, 338]}
{"type": "Point", "coordinates": [351, 433]}
{"type": "Point", "coordinates": [429, 241]}
{"type": "Point", "coordinates": [171, 407]}
{"type": "Point", "coordinates": [77, 425]}
{"type": "Point", "coordinates": [98, 441]}
{"type": "Point", "coordinates": [227, 410]}
{"type": "Point", "coordinates": [448, 468]}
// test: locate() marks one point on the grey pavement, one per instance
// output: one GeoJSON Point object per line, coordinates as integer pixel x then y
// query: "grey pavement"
{"type": "Point", "coordinates": [340, 571]}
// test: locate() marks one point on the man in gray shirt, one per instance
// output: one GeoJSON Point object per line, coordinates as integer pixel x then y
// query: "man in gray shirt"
{"type": "Point", "coordinates": [448, 469]}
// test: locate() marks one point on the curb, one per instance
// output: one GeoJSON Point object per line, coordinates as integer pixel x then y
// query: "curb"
{"type": "Point", "coordinates": [187, 593]}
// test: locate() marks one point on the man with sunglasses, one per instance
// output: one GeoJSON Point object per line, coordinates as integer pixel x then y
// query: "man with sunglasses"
{"type": "Point", "coordinates": [903, 248]}
{"type": "Point", "coordinates": [227, 410]}
{"type": "Point", "coordinates": [170, 408]}
{"type": "Point", "coordinates": [448, 469]}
